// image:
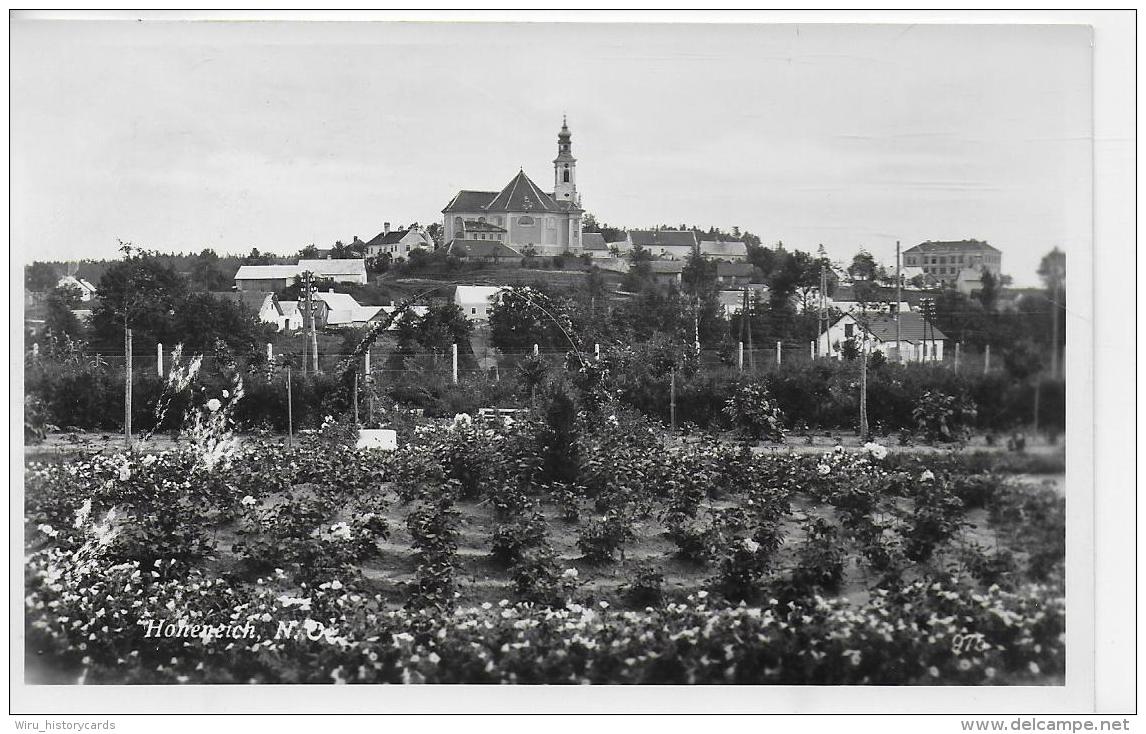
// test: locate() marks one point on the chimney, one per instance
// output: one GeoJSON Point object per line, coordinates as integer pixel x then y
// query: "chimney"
{"type": "Point", "coordinates": [385, 228]}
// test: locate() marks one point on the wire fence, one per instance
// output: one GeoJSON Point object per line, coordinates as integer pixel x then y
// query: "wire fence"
{"type": "Point", "coordinates": [386, 360]}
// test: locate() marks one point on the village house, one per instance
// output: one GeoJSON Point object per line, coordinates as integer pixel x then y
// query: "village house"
{"type": "Point", "coordinates": [475, 301]}
{"type": "Point", "coordinates": [485, 251]}
{"type": "Point", "coordinates": [278, 277]}
{"type": "Point", "coordinates": [671, 244]}
{"type": "Point", "coordinates": [667, 272]}
{"type": "Point", "coordinates": [550, 223]}
{"type": "Point", "coordinates": [594, 244]}
{"type": "Point", "coordinates": [734, 274]}
{"type": "Point", "coordinates": [728, 250]}
{"type": "Point", "coordinates": [263, 304]}
{"type": "Point", "coordinates": [399, 242]}
{"type": "Point", "coordinates": [920, 340]}
{"type": "Point", "coordinates": [87, 290]}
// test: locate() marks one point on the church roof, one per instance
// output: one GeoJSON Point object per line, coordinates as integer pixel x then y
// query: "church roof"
{"type": "Point", "coordinates": [481, 248]}
{"type": "Point", "coordinates": [522, 195]}
{"type": "Point", "coordinates": [470, 201]}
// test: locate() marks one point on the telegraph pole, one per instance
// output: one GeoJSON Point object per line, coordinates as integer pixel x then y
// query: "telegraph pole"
{"type": "Point", "coordinates": [898, 300]}
{"type": "Point", "coordinates": [1054, 331]}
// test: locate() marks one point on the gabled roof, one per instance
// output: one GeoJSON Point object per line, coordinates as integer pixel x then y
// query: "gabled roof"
{"type": "Point", "coordinates": [725, 269]}
{"type": "Point", "coordinates": [266, 272]}
{"type": "Point", "coordinates": [593, 241]}
{"type": "Point", "coordinates": [254, 300]}
{"type": "Point", "coordinates": [470, 201]}
{"type": "Point", "coordinates": [947, 246]}
{"type": "Point", "coordinates": [667, 267]}
{"type": "Point", "coordinates": [723, 248]}
{"type": "Point", "coordinates": [392, 237]}
{"type": "Point", "coordinates": [476, 293]}
{"type": "Point", "coordinates": [349, 266]}
{"type": "Point", "coordinates": [662, 238]}
{"type": "Point", "coordinates": [912, 327]}
{"type": "Point", "coordinates": [481, 248]}
{"type": "Point", "coordinates": [522, 195]}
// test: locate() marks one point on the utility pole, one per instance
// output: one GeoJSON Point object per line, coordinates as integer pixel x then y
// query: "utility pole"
{"type": "Point", "coordinates": [863, 378]}
{"type": "Point", "coordinates": [290, 411]}
{"type": "Point", "coordinates": [126, 381]}
{"type": "Point", "coordinates": [751, 353]}
{"type": "Point", "coordinates": [898, 300]}
{"type": "Point", "coordinates": [307, 315]}
{"type": "Point", "coordinates": [672, 398]}
{"type": "Point", "coordinates": [355, 397]}
{"type": "Point", "coordinates": [1054, 331]}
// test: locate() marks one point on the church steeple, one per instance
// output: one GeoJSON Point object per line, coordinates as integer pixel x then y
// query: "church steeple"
{"type": "Point", "coordinates": [565, 167]}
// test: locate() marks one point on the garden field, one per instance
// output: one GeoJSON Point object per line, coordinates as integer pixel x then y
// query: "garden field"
{"type": "Point", "coordinates": [557, 549]}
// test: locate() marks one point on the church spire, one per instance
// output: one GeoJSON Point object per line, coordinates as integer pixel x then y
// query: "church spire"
{"type": "Point", "coordinates": [565, 166]}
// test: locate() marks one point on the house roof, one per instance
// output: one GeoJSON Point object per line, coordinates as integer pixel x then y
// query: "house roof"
{"type": "Point", "coordinates": [947, 246]}
{"type": "Point", "coordinates": [662, 238]}
{"type": "Point", "coordinates": [667, 267]}
{"type": "Point", "coordinates": [522, 195]}
{"type": "Point", "coordinates": [392, 237]}
{"type": "Point", "coordinates": [470, 201]}
{"type": "Point", "coordinates": [289, 308]}
{"type": "Point", "coordinates": [347, 266]}
{"type": "Point", "coordinates": [880, 294]}
{"type": "Point", "coordinates": [77, 282]}
{"type": "Point", "coordinates": [593, 241]}
{"type": "Point", "coordinates": [475, 293]}
{"type": "Point", "coordinates": [266, 272]}
{"type": "Point", "coordinates": [255, 300]}
{"type": "Point", "coordinates": [725, 269]}
{"type": "Point", "coordinates": [481, 248]}
{"type": "Point", "coordinates": [912, 327]}
{"type": "Point", "coordinates": [723, 248]}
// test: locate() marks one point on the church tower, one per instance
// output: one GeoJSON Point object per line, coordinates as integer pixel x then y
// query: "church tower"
{"type": "Point", "coordinates": [565, 168]}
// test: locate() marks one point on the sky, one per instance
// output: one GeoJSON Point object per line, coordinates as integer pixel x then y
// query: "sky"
{"type": "Point", "coordinates": [178, 136]}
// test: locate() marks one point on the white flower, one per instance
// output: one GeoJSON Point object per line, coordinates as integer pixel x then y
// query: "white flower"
{"type": "Point", "coordinates": [336, 584]}
{"type": "Point", "coordinates": [824, 470]}
{"type": "Point", "coordinates": [83, 512]}
{"type": "Point", "coordinates": [964, 664]}
{"type": "Point", "coordinates": [751, 545]}
{"type": "Point", "coordinates": [47, 530]}
{"type": "Point", "coordinates": [248, 501]}
{"type": "Point", "coordinates": [701, 594]}
{"type": "Point", "coordinates": [604, 605]}
{"type": "Point", "coordinates": [124, 472]}
{"type": "Point", "coordinates": [462, 419]}
{"type": "Point", "coordinates": [877, 451]}
{"type": "Point", "coordinates": [1033, 667]}
{"type": "Point", "coordinates": [226, 394]}
{"type": "Point", "coordinates": [933, 671]}
{"type": "Point", "coordinates": [926, 476]}
{"type": "Point", "coordinates": [340, 530]}
{"type": "Point", "coordinates": [570, 573]}
{"type": "Point", "coordinates": [213, 405]}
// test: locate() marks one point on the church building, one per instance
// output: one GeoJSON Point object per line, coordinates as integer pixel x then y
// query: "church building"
{"type": "Point", "coordinates": [521, 214]}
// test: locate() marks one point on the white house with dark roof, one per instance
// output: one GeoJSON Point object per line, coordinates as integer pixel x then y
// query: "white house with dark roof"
{"type": "Point", "coordinates": [475, 301]}
{"type": "Point", "coordinates": [671, 244]}
{"type": "Point", "coordinates": [729, 250]}
{"type": "Point", "coordinates": [398, 242]}
{"type": "Point", "coordinates": [921, 341]}
{"type": "Point", "coordinates": [86, 289]}
{"type": "Point", "coordinates": [278, 277]}
{"type": "Point", "coordinates": [594, 244]}
{"type": "Point", "coordinates": [549, 222]}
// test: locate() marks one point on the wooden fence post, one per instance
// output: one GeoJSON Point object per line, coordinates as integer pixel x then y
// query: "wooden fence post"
{"type": "Point", "coordinates": [740, 356]}
{"type": "Point", "coordinates": [454, 359]}
{"type": "Point", "coordinates": [159, 358]}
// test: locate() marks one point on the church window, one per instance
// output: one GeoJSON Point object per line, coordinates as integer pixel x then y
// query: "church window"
{"type": "Point", "coordinates": [566, 174]}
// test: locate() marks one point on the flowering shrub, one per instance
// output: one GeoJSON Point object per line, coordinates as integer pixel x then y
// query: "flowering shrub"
{"type": "Point", "coordinates": [433, 527]}
{"type": "Point", "coordinates": [511, 539]}
{"type": "Point", "coordinates": [600, 538]}
{"type": "Point", "coordinates": [753, 412]}
{"type": "Point", "coordinates": [944, 418]}
{"type": "Point", "coordinates": [93, 620]}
